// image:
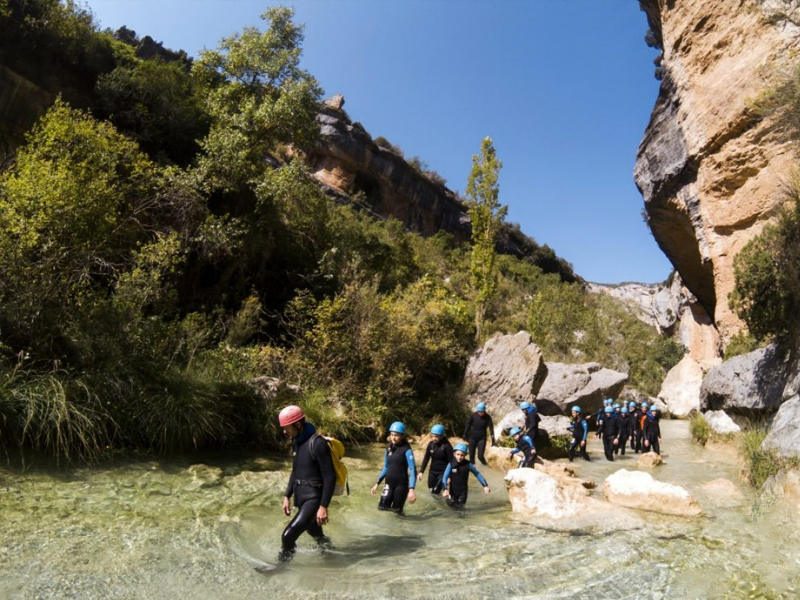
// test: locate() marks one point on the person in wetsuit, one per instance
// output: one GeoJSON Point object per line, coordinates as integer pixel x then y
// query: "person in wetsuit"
{"type": "Point", "coordinates": [475, 432]}
{"type": "Point", "coordinates": [608, 431]}
{"type": "Point", "coordinates": [399, 471]}
{"type": "Point", "coordinates": [532, 419]}
{"type": "Point", "coordinates": [524, 445]}
{"type": "Point", "coordinates": [601, 415]}
{"type": "Point", "coordinates": [625, 427]}
{"type": "Point", "coordinates": [439, 452]}
{"type": "Point", "coordinates": [580, 431]}
{"type": "Point", "coordinates": [639, 427]}
{"type": "Point", "coordinates": [311, 482]}
{"type": "Point", "coordinates": [652, 431]}
{"type": "Point", "coordinates": [633, 411]}
{"type": "Point", "coordinates": [456, 477]}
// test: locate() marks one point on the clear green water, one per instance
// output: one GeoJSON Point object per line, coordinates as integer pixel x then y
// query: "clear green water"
{"type": "Point", "coordinates": [149, 530]}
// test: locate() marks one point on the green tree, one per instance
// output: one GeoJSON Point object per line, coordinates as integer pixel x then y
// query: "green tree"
{"type": "Point", "coordinates": [486, 216]}
{"type": "Point", "coordinates": [257, 97]}
{"type": "Point", "coordinates": [767, 272]}
{"type": "Point", "coordinates": [556, 313]}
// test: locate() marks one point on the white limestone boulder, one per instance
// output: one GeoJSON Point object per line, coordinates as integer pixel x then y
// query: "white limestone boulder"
{"type": "Point", "coordinates": [638, 490]}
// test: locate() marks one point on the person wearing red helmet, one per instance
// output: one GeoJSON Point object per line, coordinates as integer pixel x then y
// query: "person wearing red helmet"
{"type": "Point", "coordinates": [311, 482]}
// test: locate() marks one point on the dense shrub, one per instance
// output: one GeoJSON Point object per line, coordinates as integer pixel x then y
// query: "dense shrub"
{"type": "Point", "coordinates": [699, 428]}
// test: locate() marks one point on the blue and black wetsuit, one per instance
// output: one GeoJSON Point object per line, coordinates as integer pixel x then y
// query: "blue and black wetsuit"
{"type": "Point", "coordinates": [457, 476]}
{"type": "Point", "coordinates": [532, 420]}
{"type": "Point", "coordinates": [652, 431]}
{"type": "Point", "coordinates": [475, 434]}
{"type": "Point", "coordinates": [525, 445]}
{"type": "Point", "coordinates": [439, 454]}
{"type": "Point", "coordinates": [625, 430]}
{"type": "Point", "coordinates": [311, 483]}
{"type": "Point", "coordinates": [580, 431]}
{"type": "Point", "coordinates": [400, 472]}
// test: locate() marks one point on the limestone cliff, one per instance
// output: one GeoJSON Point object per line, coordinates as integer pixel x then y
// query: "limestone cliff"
{"type": "Point", "coordinates": [350, 164]}
{"type": "Point", "coordinates": [710, 171]}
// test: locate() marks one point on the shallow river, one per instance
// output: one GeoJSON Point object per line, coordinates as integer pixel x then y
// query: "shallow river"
{"type": "Point", "coordinates": [160, 530]}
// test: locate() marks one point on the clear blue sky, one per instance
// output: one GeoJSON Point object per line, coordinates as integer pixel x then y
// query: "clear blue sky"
{"type": "Point", "coordinates": [564, 88]}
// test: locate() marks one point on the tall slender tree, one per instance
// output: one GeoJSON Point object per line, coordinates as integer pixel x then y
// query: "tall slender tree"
{"type": "Point", "coordinates": [486, 215]}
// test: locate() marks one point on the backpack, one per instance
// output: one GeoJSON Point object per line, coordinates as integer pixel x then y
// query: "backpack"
{"type": "Point", "coordinates": [339, 468]}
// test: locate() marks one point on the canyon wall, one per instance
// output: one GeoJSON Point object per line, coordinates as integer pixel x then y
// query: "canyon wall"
{"type": "Point", "coordinates": [710, 170]}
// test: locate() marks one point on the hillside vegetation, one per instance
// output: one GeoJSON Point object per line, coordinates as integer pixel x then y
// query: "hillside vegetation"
{"type": "Point", "coordinates": [162, 254]}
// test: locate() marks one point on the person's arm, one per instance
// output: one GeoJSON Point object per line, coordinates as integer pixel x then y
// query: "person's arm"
{"type": "Point", "coordinates": [287, 509]}
{"type": "Point", "coordinates": [515, 450]}
{"type": "Point", "coordinates": [426, 458]}
{"type": "Point", "coordinates": [385, 468]}
{"type": "Point", "coordinates": [474, 470]}
{"type": "Point", "coordinates": [446, 476]}
{"type": "Point", "coordinates": [585, 426]}
{"type": "Point", "coordinates": [412, 469]}
{"type": "Point", "coordinates": [491, 428]}
{"type": "Point", "coordinates": [467, 427]}
{"type": "Point", "coordinates": [528, 439]}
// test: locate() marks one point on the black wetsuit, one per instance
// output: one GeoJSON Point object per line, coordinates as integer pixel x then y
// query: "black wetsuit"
{"type": "Point", "coordinates": [456, 477]}
{"type": "Point", "coordinates": [311, 483]}
{"type": "Point", "coordinates": [439, 454]}
{"type": "Point", "coordinates": [636, 439]}
{"type": "Point", "coordinates": [652, 431]}
{"type": "Point", "coordinates": [475, 434]}
{"type": "Point", "coordinates": [608, 430]}
{"type": "Point", "coordinates": [532, 420]}
{"type": "Point", "coordinates": [580, 431]}
{"type": "Point", "coordinates": [525, 445]}
{"type": "Point", "coordinates": [399, 470]}
{"type": "Point", "coordinates": [625, 429]}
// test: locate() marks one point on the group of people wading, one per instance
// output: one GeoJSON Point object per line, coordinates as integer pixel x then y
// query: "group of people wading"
{"type": "Point", "coordinates": [312, 479]}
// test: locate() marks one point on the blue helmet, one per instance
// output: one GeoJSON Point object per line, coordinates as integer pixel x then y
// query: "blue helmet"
{"type": "Point", "coordinates": [609, 401]}
{"type": "Point", "coordinates": [616, 405]}
{"type": "Point", "coordinates": [654, 408]}
{"type": "Point", "coordinates": [631, 404]}
{"type": "Point", "coordinates": [461, 446]}
{"type": "Point", "coordinates": [624, 410]}
{"type": "Point", "coordinates": [576, 409]}
{"type": "Point", "coordinates": [481, 406]}
{"type": "Point", "coordinates": [397, 427]}
{"type": "Point", "coordinates": [525, 405]}
{"type": "Point", "coordinates": [608, 409]}
{"type": "Point", "coordinates": [644, 404]}
{"type": "Point", "coordinates": [437, 430]}
{"type": "Point", "coordinates": [514, 431]}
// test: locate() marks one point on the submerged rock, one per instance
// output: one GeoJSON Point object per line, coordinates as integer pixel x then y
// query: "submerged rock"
{"type": "Point", "coordinates": [585, 384]}
{"type": "Point", "coordinates": [555, 499]}
{"type": "Point", "coordinates": [648, 460]}
{"type": "Point", "coordinates": [723, 492]}
{"type": "Point", "coordinates": [637, 489]}
{"type": "Point", "coordinates": [204, 476]}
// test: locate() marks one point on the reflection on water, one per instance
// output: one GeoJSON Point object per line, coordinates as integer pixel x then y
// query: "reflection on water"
{"type": "Point", "coordinates": [151, 530]}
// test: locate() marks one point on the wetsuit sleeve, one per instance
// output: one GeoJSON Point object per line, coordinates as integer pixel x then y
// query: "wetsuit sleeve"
{"type": "Point", "coordinates": [477, 474]}
{"type": "Point", "coordinates": [528, 439]}
{"type": "Point", "coordinates": [412, 469]}
{"type": "Point", "coordinates": [585, 427]}
{"type": "Point", "coordinates": [467, 428]}
{"type": "Point", "coordinates": [426, 458]}
{"type": "Point", "coordinates": [385, 468]}
{"type": "Point", "coordinates": [325, 462]}
{"type": "Point", "coordinates": [447, 470]}
{"type": "Point", "coordinates": [491, 428]}
{"type": "Point", "coordinates": [515, 450]}
{"type": "Point", "coordinates": [290, 485]}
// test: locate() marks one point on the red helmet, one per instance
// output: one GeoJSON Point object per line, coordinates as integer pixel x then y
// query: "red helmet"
{"type": "Point", "coordinates": [290, 414]}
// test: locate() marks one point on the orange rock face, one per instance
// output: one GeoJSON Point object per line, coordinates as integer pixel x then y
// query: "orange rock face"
{"type": "Point", "coordinates": [711, 172]}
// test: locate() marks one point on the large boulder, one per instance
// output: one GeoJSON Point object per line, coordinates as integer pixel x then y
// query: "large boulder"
{"type": "Point", "coordinates": [747, 384]}
{"type": "Point", "coordinates": [509, 369]}
{"type": "Point", "coordinates": [720, 422]}
{"type": "Point", "coordinates": [784, 433]}
{"type": "Point", "coordinates": [557, 500]}
{"type": "Point", "coordinates": [637, 489]}
{"type": "Point", "coordinates": [585, 384]}
{"type": "Point", "coordinates": [680, 390]}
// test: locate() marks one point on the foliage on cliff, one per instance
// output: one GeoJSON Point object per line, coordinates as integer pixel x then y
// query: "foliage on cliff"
{"type": "Point", "coordinates": [158, 266]}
